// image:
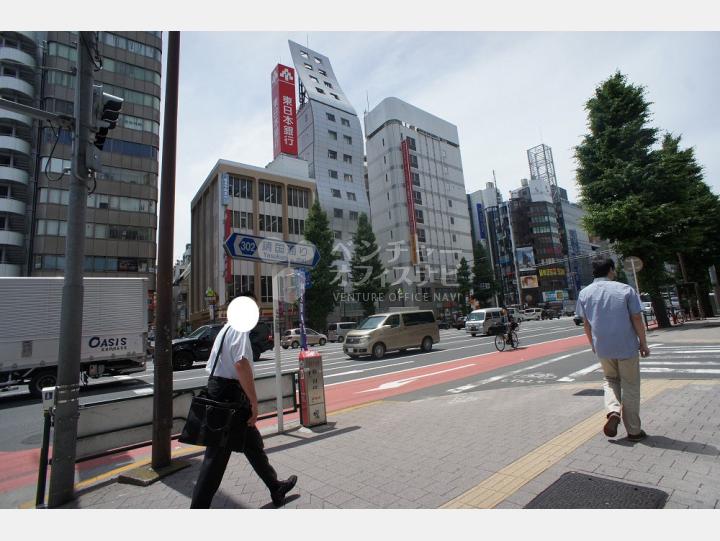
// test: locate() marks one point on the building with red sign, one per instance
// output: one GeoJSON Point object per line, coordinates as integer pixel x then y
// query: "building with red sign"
{"type": "Point", "coordinates": [418, 201]}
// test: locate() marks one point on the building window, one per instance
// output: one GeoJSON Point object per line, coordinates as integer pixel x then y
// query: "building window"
{"type": "Point", "coordinates": [338, 213]}
{"type": "Point", "coordinates": [449, 202]}
{"type": "Point", "coordinates": [348, 177]}
{"type": "Point", "coordinates": [411, 143]}
{"type": "Point", "coordinates": [456, 256]}
{"type": "Point", "coordinates": [243, 283]}
{"type": "Point", "coordinates": [241, 187]}
{"type": "Point", "coordinates": [266, 289]}
{"type": "Point", "coordinates": [332, 173]}
{"type": "Point", "coordinates": [303, 54]}
{"type": "Point", "coordinates": [333, 135]}
{"type": "Point", "coordinates": [322, 72]}
{"type": "Point", "coordinates": [421, 235]}
{"type": "Point", "coordinates": [332, 154]}
{"type": "Point", "coordinates": [335, 96]}
{"type": "Point", "coordinates": [327, 84]}
{"type": "Point", "coordinates": [319, 90]}
{"type": "Point", "coordinates": [413, 161]}
{"type": "Point", "coordinates": [269, 223]}
{"type": "Point", "coordinates": [296, 226]}
{"type": "Point", "coordinates": [385, 160]}
{"type": "Point", "coordinates": [345, 122]}
{"type": "Point", "coordinates": [336, 193]}
{"type": "Point", "coordinates": [270, 193]}
{"type": "Point", "coordinates": [338, 235]}
{"type": "Point", "coordinates": [351, 196]}
{"type": "Point", "coordinates": [298, 197]}
{"type": "Point", "coordinates": [419, 216]}
{"type": "Point", "coordinates": [388, 195]}
{"type": "Point", "coordinates": [415, 178]}
{"type": "Point", "coordinates": [330, 117]}
{"type": "Point", "coordinates": [454, 237]}
{"type": "Point", "coordinates": [417, 197]}
{"type": "Point", "coordinates": [315, 79]}
{"type": "Point", "coordinates": [347, 139]}
{"type": "Point", "coordinates": [353, 215]}
{"type": "Point", "coordinates": [308, 66]}
{"type": "Point", "coordinates": [452, 220]}
{"type": "Point", "coordinates": [242, 220]}
{"type": "Point", "coordinates": [347, 158]}
{"type": "Point", "coordinates": [317, 60]}
{"type": "Point", "coordinates": [383, 141]}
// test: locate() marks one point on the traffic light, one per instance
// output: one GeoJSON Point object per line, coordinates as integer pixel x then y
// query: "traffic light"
{"type": "Point", "coordinates": [106, 110]}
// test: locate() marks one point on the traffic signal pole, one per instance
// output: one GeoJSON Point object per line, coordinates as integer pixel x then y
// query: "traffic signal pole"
{"type": "Point", "coordinates": [62, 477]}
{"type": "Point", "coordinates": [163, 381]}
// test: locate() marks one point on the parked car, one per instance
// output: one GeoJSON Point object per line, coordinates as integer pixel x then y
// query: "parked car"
{"type": "Point", "coordinates": [647, 308]}
{"type": "Point", "coordinates": [533, 313]}
{"type": "Point", "coordinates": [291, 338]}
{"type": "Point", "coordinates": [460, 323]}
{"type": "Point", "coordinates": [516, 314]}
{"type": "Point", "coordinates": [578, 319]}
{"type": "Point", "coordinates": [481, 321]}
{"type": "Point", "coordinates": [390, 331]}
{"type": "Point", "coordinates": [443, 324]}
{"type": "Point", "coordinates": [336, 331]}
{"type": "Point", "coordinates": [549, 313]}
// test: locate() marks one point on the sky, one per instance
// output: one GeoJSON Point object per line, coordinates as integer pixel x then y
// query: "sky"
{"type": "Point", "coordinates": [505, 91]}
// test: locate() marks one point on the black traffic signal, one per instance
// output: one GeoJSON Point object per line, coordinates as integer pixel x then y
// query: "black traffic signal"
{"type": "Point", "coordinates": [106, 110]}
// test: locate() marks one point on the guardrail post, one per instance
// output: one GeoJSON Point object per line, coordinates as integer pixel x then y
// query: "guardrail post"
{"type": "Point", "coordinates": [44, 452]}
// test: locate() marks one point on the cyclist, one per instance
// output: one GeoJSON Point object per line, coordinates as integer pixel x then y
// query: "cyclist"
{"type": "Point", "coordinates": [510, 325]}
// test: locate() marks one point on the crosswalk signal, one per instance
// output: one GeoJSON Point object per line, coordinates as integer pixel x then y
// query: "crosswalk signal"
{"type": "Point", "coordinates": [106, 110]}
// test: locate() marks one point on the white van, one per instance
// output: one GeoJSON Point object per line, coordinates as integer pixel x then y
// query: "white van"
{"type": "Point", "coordinates": [533, 313]}
{"type": "Point", "coordinates": [336, 331]}
{"type": "Point", "coordinates": [480, 321]}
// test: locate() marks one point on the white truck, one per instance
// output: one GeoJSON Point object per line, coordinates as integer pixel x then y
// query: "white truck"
{"type": "Point", "coordinates": [114, 330]}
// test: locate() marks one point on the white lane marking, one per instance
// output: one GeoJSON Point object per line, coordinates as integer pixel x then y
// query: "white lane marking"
{"type": "Point", "coordinates": [699, 347]}
{"type": "Point", "coordinates": [696, 351]}
{"type": "Point", "coordinates": [681, 370]}
{"type": "Point", "coordinates": [513, 372]}
{"type": "Point", "coordinates": [400, 382]}
{"type": "Point", "coordinates": [144, 390]}
{"type": "Point", "coordinates": [670, 363]}
{"type": "Point", "coordinates": [359, 371]}
{"type": "Point", "coordinates": [574, 375]}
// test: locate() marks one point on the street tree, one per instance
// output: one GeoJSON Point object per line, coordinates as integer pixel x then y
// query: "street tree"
{"type": "Point", "coordinates": [322, 296]}
{"type": "Point", "coordinates": [366, 268]}
{"type": "Point", "coordinates": [625, 200]}
{"type": "Point", "coordinates": [483, 281]}
{"type": "Point", "coordinates": [464, 283]}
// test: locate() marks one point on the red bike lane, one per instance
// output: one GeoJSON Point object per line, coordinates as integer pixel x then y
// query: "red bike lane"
{"type": "Point", "coordinates": [18, 469]}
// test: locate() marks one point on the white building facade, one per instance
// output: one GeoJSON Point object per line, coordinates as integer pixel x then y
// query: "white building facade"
{"type": "Point", "coordinates": [418, 201]}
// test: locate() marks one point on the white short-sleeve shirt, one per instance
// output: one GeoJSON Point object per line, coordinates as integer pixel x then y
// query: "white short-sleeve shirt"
{"type": "Point", "coordinates": [235, 346]}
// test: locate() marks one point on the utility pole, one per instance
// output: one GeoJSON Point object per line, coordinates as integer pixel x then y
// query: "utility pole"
{"type": "Point", "coordinates": [163, 382]}
{"type": "Point", "coordinates": [62, 477]}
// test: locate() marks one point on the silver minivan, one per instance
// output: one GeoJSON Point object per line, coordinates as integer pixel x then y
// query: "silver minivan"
{"type": "Point", "coordinates": [480, 321]}
{"type": "Point", "coordinates": [391, 331]}
{"type": "Point", "coordinates": [336, 331]}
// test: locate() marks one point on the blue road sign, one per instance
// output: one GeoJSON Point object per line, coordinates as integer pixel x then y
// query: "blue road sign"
{"type": "Point", "coordinates": [270, 250]}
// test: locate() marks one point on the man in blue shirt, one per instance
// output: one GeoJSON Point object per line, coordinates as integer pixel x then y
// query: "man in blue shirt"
{"type": "Point", "coordinates": [612, 315]}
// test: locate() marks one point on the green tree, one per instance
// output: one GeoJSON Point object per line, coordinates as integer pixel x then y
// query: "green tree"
{"type": "Point", "coordinates": [366, 269]}
{"type": "Point", "coordinates": [464, 283]}
{"type": "Point", "coordinates": [322, 296]}
{"type": "Point", "coordinates": [483, 282]}
{"type": "Point", "coordinates": [627, 201]}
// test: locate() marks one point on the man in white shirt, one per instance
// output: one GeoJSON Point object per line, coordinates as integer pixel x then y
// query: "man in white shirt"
{"type": "Point", "coordinates": [233, 381]}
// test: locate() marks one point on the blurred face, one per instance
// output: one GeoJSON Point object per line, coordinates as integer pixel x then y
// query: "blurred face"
{"type": "Point", "coordinates": [612, 274]}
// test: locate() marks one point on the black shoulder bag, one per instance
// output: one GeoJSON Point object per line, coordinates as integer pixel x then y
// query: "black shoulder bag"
{"type": "Point", "coordinates": [216, 424]}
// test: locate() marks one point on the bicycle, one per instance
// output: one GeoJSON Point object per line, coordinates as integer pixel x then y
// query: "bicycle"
{"type": "Point", "coordinates": [510, 338]}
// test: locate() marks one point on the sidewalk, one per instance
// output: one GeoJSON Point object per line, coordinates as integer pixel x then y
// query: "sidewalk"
{"type": "Point", "coordinates": [486, 449]}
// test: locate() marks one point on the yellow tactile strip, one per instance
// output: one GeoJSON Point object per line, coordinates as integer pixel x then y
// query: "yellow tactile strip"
{"type": "Point", "coordinates": [512, 477]}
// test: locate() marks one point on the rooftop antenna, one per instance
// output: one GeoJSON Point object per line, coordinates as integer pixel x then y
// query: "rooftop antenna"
{"type": "Point", "coordinates": [307, 41]}
{"type": "Point", "coordinates": [367, 97]}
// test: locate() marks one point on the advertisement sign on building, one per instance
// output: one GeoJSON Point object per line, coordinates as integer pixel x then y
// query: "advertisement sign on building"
{"type": "Point", "coordinates": [559, 295]}
{"type": "Point", "coordinates": [481, 221]}
{"type": "Point", "coordinates": [525, 258]}
{"type": "Point", "coordinates": [528, 282]}
{"type": "Point", "coordinates": [552, 272]}
{"type": "Point", "coordinates": [225, 189]}
{"type": "Point", "coordinates": [282, 83]}
{"type": "Point", "coordinates": [405, 148]}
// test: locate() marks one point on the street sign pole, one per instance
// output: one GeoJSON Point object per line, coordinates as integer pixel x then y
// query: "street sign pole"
{"type": "Point", "coordinates": [637, 286]}
{"type": "Point", "coordinates": [278, 362]}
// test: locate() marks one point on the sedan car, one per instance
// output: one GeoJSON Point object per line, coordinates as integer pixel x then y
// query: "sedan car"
{"type": "Point", "coordinates": [460, 323]}
{"type": "Point", "coordinates": [291, 338]}
{"type": "Point", "coordinates": [578, 320]}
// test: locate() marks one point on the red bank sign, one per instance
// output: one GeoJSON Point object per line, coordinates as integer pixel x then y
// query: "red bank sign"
{"type": "Point", "coordinates": [283, 111]}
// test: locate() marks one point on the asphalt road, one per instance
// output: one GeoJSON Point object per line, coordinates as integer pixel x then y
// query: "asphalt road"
{"type": "Point", "coordinates": [21, 416]}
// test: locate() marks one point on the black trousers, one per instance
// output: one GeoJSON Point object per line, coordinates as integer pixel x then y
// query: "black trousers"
{"type": "Point", "coordinates": [216, 458]}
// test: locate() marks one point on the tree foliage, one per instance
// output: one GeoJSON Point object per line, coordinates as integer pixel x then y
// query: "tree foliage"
{"type": "Point", "coordinates": [321, 297]}
{"type": "Point", "coordinates": [464, 282]}
{"type": "Point", "coordinates": [366, 268]}
{"type": "Point", "coordinates": [483, 281]}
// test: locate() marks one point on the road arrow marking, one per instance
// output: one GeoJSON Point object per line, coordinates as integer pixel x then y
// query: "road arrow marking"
{"type": "Point", "coordinates": [400, 382]}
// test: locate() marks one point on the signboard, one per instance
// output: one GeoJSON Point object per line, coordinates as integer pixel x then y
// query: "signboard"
{"type": "Point", "coordinates": [551, 272]}
{"type": "Point", "coordinates": [525, 258]}
{"type": "Point", "coordinates": [481, 221]}
{"type": "Point", "coordinates": [559, 295]}
{"type": "Point", "coordinates": [225, 189]}
{"type": "Point", "coordinates": [312, 389]}
{"type": "Point", "coordinates": [267, 250]}
{"type": "Point", "coordinates": [282, 83]}
{"type": "Point", "coordinates": [405, 149]}
{"type": "Point", "coordinates": [529, 282]}
{"type": "Point", "coordinates": [228, 260]}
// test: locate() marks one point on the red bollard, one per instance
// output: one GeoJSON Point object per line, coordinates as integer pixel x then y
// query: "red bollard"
{"type": "Point", "coordinates": [312, 389]}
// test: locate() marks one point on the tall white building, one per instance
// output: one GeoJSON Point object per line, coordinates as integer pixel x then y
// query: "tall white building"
{"type": "Point", "coordinates": [417, 196]}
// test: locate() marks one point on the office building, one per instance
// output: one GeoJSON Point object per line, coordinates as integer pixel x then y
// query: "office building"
{"type": "Point", "coordinates": [37, 70]}
{"type": "Point", "coordinates": [418, 200]}
{"type": "Point", "coordinates": [273, 201]}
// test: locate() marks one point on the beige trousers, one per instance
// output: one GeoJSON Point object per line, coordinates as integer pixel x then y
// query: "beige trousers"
{"type": "Point", "coordinates": [622, 390]}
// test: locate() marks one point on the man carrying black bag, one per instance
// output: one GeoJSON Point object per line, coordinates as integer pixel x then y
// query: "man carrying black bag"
{"type": "Point", "coordinates": [232, 380]}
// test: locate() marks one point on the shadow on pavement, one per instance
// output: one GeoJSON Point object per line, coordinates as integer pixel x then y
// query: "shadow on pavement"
{"type": "Point", "coordinates": [288, 499]}
{"type": "Point", "coordinates": [310, 439]}
{"type": "Point", "coordinates": [663, 442]}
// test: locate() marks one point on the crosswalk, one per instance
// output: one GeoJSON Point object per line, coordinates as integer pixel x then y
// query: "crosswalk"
{"type": "Point", "coordinates": [668, 360]}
